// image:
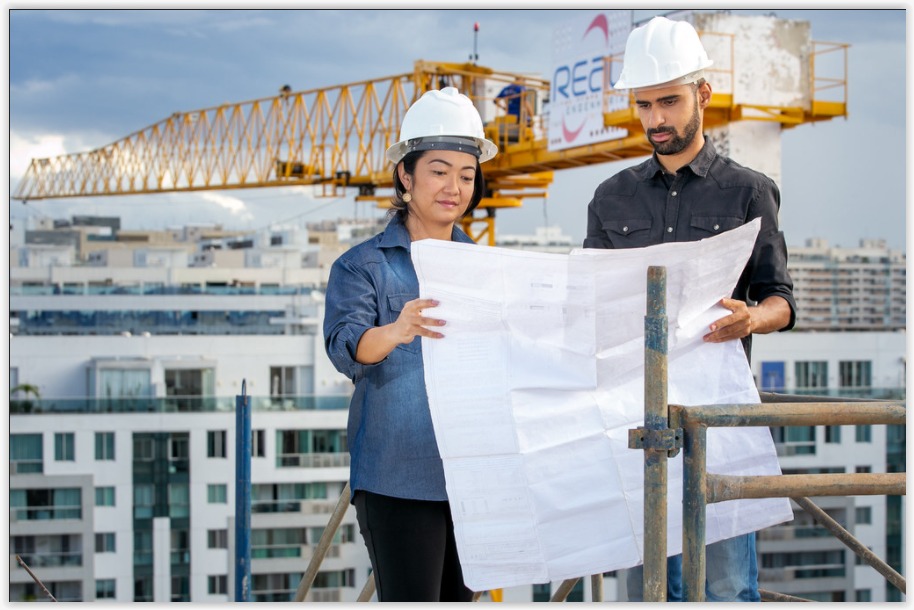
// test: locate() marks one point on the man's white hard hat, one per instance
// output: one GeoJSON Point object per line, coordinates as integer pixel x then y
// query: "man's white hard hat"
{"type": "Point", "coordinates": [442, 120]}
{"type": "Point", "coordinates": [662, 52]}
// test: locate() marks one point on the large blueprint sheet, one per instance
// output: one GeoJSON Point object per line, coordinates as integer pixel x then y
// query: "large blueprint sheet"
{"type": "Point", "coordinates": [539, 378]}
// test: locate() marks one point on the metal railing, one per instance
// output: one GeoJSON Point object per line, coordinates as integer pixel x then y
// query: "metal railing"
{"type": "Point", "coordinates": [669, 428]}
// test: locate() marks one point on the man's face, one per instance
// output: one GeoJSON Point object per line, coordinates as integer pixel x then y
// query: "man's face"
{"type": "Point", "coordinates": [670, 117]}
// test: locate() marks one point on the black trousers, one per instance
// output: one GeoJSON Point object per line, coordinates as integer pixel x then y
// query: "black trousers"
{"type": "Point", "coordinates": [412, 549]}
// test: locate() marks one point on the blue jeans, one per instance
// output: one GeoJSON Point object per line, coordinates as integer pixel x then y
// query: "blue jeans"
{"type": "Point", "coordinates": [731, 572]}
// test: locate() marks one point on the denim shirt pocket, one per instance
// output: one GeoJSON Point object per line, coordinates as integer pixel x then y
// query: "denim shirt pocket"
{"type": "Point", "coordinates": [706, 226]}
{"type": "Point", "coordinates": [395, 304]}
{"type": "Point", "coordinates": [628, 233]}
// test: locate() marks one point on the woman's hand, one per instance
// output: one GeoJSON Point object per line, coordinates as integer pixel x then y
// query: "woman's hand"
{"type": "Point", "coordinates": [377, 343]}
{"type": "Point", "coordinates": [412, 321]}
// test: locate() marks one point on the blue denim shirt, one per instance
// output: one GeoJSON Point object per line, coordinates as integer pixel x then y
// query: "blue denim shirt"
{"type": "Point", "coordinates": [391, 440]}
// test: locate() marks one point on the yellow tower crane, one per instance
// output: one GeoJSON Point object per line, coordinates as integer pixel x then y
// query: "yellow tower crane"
{"type": "Point", "coordinates": [334, 139]}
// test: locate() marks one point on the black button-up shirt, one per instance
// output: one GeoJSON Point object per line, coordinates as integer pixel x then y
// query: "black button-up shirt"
{"type": "Point", "coordinates": [643, 206]}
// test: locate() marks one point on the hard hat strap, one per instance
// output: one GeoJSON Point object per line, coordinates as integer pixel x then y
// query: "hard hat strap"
{"type": "Point", "coordinates": [467, 145]}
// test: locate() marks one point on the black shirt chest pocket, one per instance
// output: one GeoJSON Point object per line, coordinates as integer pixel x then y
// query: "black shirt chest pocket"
{"type": "Point", "coordinates": [628, 233]}
{"type": "Point", "coordinates": [395, 304]}
{"type": "Point", "coordinates": [707, 226]}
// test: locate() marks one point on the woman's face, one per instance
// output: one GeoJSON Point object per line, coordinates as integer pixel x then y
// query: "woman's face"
{"type": "Point", "coordinates": [441, 186]}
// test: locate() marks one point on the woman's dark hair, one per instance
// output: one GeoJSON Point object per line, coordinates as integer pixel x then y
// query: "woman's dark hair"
{"type": "Point", "coordinates": [401, 208]}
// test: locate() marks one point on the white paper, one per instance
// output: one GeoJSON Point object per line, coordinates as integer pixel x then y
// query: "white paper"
{"type": "Point", "coordinates": [539, 378]}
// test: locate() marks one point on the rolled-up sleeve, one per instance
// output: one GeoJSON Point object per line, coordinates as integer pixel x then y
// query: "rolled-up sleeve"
{"type": "Point", "coordinates": [351, 309]}
{"type": "Point", "coordinates": [769, 275]}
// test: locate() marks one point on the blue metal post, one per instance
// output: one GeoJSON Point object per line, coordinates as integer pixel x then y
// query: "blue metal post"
{"type": "Point", "coordinates": [243, 496]}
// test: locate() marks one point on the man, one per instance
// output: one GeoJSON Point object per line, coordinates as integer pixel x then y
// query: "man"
{"type": "Point", "coordinates": [686, 192]}
{"type": "Point", "coordinates": [512, 97]}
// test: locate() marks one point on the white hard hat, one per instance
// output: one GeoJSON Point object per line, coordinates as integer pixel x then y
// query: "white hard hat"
{"type": "Point", "coordinates": [442, 120]}
{"type": "Point", "coordinates": [660, 52]}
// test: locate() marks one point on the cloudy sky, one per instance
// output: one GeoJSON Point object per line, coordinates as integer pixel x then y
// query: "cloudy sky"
{"type": "Point", "coordinates": [81, 79]}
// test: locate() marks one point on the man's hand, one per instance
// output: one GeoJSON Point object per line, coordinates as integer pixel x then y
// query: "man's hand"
{"type": "Point", "coordinates": [768, 316]}
{"type": "Point", "coordinates": [735, 326]}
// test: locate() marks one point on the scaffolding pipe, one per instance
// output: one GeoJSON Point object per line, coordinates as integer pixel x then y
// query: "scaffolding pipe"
{"type": "Point", "coordinates": [789, 414]}
{"type": "Point", "coordinates": [368, 590]}
{"type": "Point", "coordinates": [727, 487]}
{"type": "Point", "coordinates": [561, 594]}
{"type": "Point", "coordinates": [656, 421]}
{"type": "Point", "coordinates": [596, 588]}
{"type": "Point", "coordinates": [897, 580]}
{"type": "Point", "coordinates": [323, 546]}
{"type": "Point", "coordinates": [694, 500]}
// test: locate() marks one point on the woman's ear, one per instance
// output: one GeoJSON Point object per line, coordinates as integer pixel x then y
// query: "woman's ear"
{"type": "Point", "coordinates": [405, 178]}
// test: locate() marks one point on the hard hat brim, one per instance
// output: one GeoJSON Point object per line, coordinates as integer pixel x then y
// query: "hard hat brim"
{"type": "Point", "coordinates": [689, 77]}
{"type": "Point", "coordinates": [487, 150]}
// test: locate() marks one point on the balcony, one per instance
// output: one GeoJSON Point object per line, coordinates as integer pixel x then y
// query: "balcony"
{"type": "Point", "coordinates": [312, 460]}
{"type": "Point", "coordinates": [175, 404]}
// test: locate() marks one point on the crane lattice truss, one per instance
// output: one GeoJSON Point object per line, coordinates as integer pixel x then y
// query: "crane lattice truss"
{"type": "Point", "coordinates": [336, 137]}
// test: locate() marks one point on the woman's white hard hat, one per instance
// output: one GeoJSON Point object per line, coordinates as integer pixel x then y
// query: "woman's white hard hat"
{"type": "Point", "coordinates": [662, 52]}
{"type": "Point", "coordinates": [442, 120]}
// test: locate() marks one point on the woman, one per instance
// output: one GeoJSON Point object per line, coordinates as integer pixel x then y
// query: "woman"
{"type": "Point", "coordinates": [372, 328]}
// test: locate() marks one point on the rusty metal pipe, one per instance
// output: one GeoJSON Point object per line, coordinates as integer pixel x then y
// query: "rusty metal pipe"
{"type": "Point", "coordinates": [561, 594]}
{"type": "Point", "coordinates": [789, 414]}
{"type": "Point", "coordinates": [694, 501]}
{"type": "Point", "coordinates": [367, 590]}
{"type": "Point", "coordinates": [656, 417]}
{"type": "Point", "coordinates": [774, 596]}
{"type": "Point", "coordinates": [333, 525]}
{"type": "Point", "coordinates": [596, 587]}
{"type": "Point", "coordinates": [852, 543]}
{"type": "Point", "coordinates": [727, 487]}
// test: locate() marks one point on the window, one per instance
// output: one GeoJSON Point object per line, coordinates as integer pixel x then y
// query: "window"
{"type": "Point", "coordinates": [178, 500]}
{"type": "Point", "coordinates": [282, 381]}
{"type": "Point", "coordinates": [186, 388]}
{"type": "Point", "coordinates": [542, 593]}
{"type": "Point", "coordinates": [178, 447]}
{"type": "Point", "coordinates": [855, 373]}
{"type": "Point", "coordinates": [105, 542]}
{"type": "Point", "coordinates": [811, 374]}
{"type": "Point", "coordinates": [104, 496]}
{"type": "Point", "coordinates": [864, 434]}
{"type": "Point", "coordinates": [143, 448]}
{"type": "Point", "coordinates": [864, 515]}
{"type": "Point", "coordinates": [863, 595]}
{"type": "Point", "coordinates": [105, 588]}
{"type": "Point", "coordinates": [26, 454]}
{"type": "Point", "coordinates": [832, 434]}
{"type": "Point", "coordinates": [42, 504]}
{"type": "Point", "coordinates": [215, 444]}
{"type": "Point", "coordinates": [258, 443]}
{"type": "Point", "coordinates": [217, 539]}
{"type": "Point", "coordinates": [795, 440]}
{"type": "Point", "coordinates": [123, 385]}
{"type": "Point", "coordinates": [180, 547]}
{"type": "Point", "coordinates": [143, 501]}
{"type": "Point", "coordinates": [64, 447]}
{"type": "Point", "coordinates": [863, 469]}
{"type": "Point", "coordinates": [104, 445]}
{"type": "Point", "coordinates": [218, 584]}
{"type": "Point", "coordinates": [217, 494]}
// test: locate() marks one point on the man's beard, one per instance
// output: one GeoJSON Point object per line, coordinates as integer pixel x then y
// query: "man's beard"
{"type": "Point", "coordinates": [677, 143]}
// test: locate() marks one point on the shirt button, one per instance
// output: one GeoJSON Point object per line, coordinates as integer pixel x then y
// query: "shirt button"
{"type": "Point", "coordinates": [624, 229]}
{"type": "Point", "coordinates": [716, 227]}
{"type": "Point", "coordinates": [669, 229]}
{"type": "Point", "coordinates": [673, 193]}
